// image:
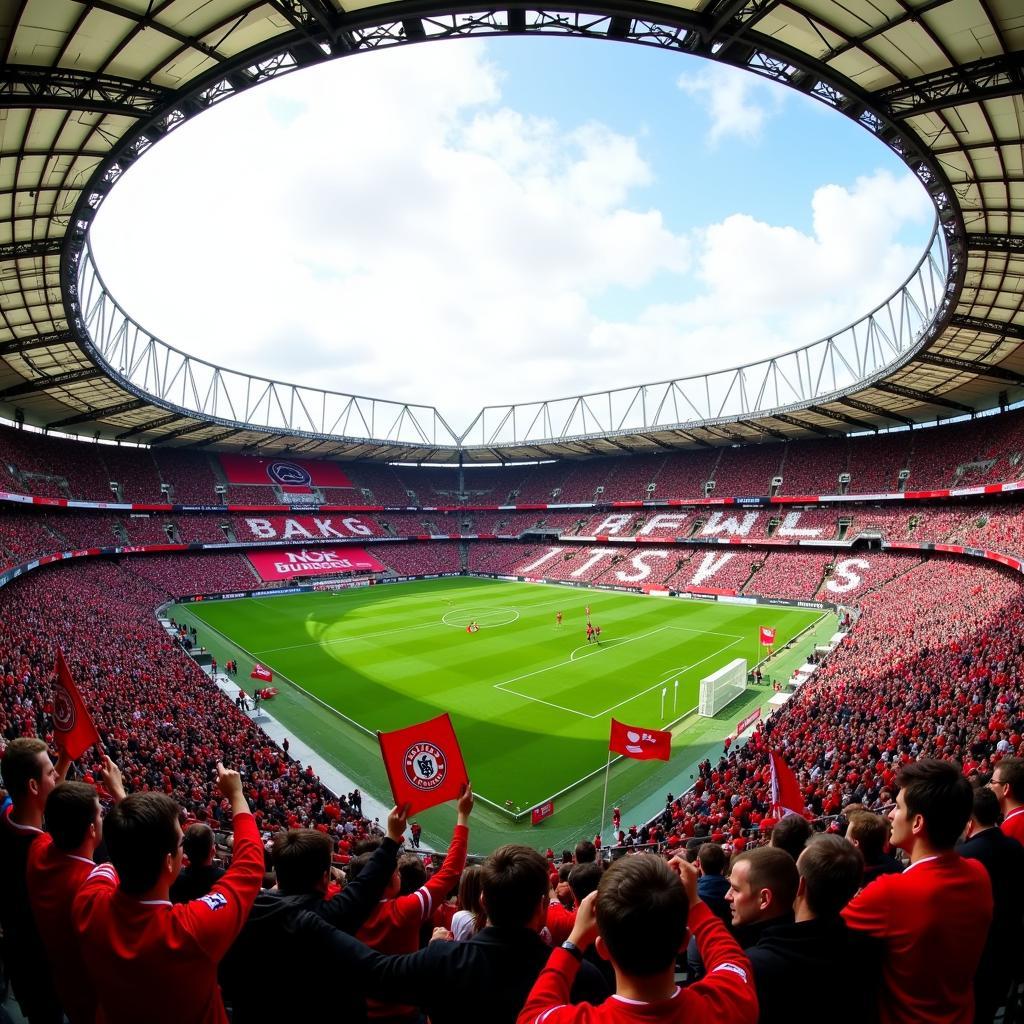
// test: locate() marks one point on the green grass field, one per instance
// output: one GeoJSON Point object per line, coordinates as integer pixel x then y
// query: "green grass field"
{"type": "Point", "coordinates": [530, 701]}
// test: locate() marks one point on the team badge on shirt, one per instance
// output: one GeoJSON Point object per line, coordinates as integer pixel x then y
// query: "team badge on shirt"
{"type": "Point", "coordinates": [214, 900]}
{"type": "Point", "coordinates": [425, 766]}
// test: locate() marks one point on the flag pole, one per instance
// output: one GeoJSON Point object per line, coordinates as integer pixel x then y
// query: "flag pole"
{"type": "Point", "coordinates": [604, 802]}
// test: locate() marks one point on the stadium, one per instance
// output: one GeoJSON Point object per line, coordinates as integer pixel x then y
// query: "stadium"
{"type": "Point", "coordinates": [804, 571]}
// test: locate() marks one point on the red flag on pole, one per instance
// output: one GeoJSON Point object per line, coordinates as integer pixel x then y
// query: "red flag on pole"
{"type": "Point", "coordinates": [74, 732]}
{"type": "Point", "coordinates": [767, 636]}
{"type": "Point", "coordinates": [641, 744]}
{"type": "Point", "coordinates": [424, 763]}
{"type": "Point", "coordinates": [261, 672]}
{"type": "Point", "coordinates": [786, 795]}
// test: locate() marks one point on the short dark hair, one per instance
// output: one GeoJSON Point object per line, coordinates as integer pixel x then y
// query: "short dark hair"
{"type": "Point", "coordinates": [586, 852]}
{"type": "Point", "coordinates": [70, 810]}
{"type": "Point", "coordinates": [938, 791]}
{"type": "Point", "coordinates": [584, 879]}
{"type": "Point", "coordinates": [791, 834]}
{"type": "Point", "coordinates": [198, 844]}
{"type": "Point", "coordinates": [871, 832]}
{"type": "Point", "coordinates": [20, 765]}
{"type": "Point", "coordinates": [1011, 773]}
{"type": "Point", "coordinates": [412, 873]}
{"type": "Point", "coordinates": [712, 859]}
{"type": "Point", "coordinates": [642, 909]}
{"type": "Point", "coordinates": [771, 868]}
{"type": "Point", "coordinates": [515, 880]}
{"type": "Point", "coordinates": [140, 831]}
{"type": "Point", "coordinates": [301, 858]}
{"type": "Point", "coordinates": [832, 869]}
{"type": "Point", "coordinates": [985, 810]}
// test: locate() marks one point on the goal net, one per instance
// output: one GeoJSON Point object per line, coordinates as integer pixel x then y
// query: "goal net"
{"type": "Point", "coordinates": [722, 687]}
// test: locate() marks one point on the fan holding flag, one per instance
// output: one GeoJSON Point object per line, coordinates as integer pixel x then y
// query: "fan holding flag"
{"type": "Point", "coordinates": [74, 732]}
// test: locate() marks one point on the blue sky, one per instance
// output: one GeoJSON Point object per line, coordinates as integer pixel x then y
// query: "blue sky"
{"type": "Point", "coordinates": [549, 216]}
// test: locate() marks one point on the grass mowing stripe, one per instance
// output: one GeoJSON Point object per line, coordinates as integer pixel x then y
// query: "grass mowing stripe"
{"type": "Point", "coordinates": [359, 653]}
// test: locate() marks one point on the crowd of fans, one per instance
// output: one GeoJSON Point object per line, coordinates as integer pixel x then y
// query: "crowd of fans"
{"type": "Point", "coordinates": [985, 450]}
{"type": "Point", "coordinates": [931, 675]}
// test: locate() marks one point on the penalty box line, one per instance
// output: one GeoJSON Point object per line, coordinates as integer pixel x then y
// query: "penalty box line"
{"type": "Point", "coordinates": [505, 685]}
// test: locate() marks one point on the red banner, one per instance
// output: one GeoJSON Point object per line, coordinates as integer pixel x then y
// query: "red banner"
{"type": "Point", "coordinates": [544, 810]}
{"type": "Point", "coordinates": [323, 527]}
{"type": "Point", "coordinates": [261, 672]}
{"type": "Point", "coordinates": [73, 730]}
{"type": "Point", "coordinates": [745, 723]}
{"type": "Point", "coordinates": [283, 565]}
{"type": "Point", "coordinates": [424, 764]}
{"type": "Point", "coordinates": [640, 744]}
{"type": "Point", "coordinates": [767, 636]}
{"type": "Point", "coordinates": [296, 476]}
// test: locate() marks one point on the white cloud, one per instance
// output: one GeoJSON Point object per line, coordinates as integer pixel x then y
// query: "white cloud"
{"type": "Point", "coordinates": [386, 227]}
{"type": "Point", "coordinates": [738, 103]}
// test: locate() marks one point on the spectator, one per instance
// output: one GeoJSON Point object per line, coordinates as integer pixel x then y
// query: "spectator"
{"type": "Point", "coordinates": [201, 874]}
{"type": "Point", "coordinates": [638, 919]}
{"type": "Point", "coordinates": [59, 863]}
{"type": "Point", "coordinates": [807, 957]}
{"type": "Point", "coordinates": [29, 777]}
{"type": "Point", "coordinates": [584, 879]}
{"type": "Point", "coordinates": [869, 832]}
{"type": "Point", "coordinates": [123, 913]}
{"type": "Point", "coordinates": [394, 924]}
{"type": "Point", "coordinates": [486, 978]}
{"type": "Point", "coordinates": [762, 887]}
{"type": "Point", "coordinates": [1008, 784]}
{"type": "Point", "coordinates": [470, 918]}
{"type": "Point", "coordinates": [293, 921]}
{"type": "Point", "coordinates": [712, 888]}
{"type": "Point", "coordinates": [1003, 859]}
{"type": "Point", "coordinates": [586, 852]}
{"type": "Point", "coordinates": [791, 834]}
{"type": "Point", "coordinates": [933, 919]}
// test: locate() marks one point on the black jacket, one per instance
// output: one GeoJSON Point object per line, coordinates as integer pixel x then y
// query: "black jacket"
{"type": "Point", "coordinates": [796, 967]}
{"type": "Point", "coordinates": [484, 979]}
{"type": "Point", "coordinates": [284, 946]}
{"type": "Point", "coordinates": [1003, 859]}
{"type": "Point", "coordinates": [195, 882]}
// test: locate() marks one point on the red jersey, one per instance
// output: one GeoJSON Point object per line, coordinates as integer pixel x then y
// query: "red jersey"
{"type": "Point", "coordinates": [394, 927]}
{"type": "Point", "coordinates": [156, 962]}
{"type": "Point", "coordinates": [726, 993]}
{"type": "Point", "coordinates": [1013, 824]}
{"type": "Point", "coordinates": [934, 920]}
{"type": "Point", "coordinates": [559, 922]}
{"type": "Point", "coordinates": [54, 878]}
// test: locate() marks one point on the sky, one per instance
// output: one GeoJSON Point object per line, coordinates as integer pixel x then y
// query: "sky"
{"type": "Point", "coordinates": [479, 222]}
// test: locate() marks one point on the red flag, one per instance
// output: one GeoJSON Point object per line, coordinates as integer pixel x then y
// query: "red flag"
{"type": "Point", "coordinates": [786, 795]}
{"type": "Point", "coordinates": [542, 811]}
{"type": "Point", "coordinates": [641, 744]}
{"type": "Point", "coordinates": [73, 728]}
{"type": "Point", "coordinates": [767, 636]}
{"type": "Point", "coordinates": [261, 672]}
{"type": "Point", "coordinates": [424, 763]}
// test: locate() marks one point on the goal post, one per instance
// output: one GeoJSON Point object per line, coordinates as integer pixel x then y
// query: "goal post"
{"type": "Point", "coordinates": [722, 687]}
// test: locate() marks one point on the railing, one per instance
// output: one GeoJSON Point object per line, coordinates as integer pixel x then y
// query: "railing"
{"type": "Point", "coordinates": [826, 369]}
{"type": "Point", "coordinates": [862, 352]}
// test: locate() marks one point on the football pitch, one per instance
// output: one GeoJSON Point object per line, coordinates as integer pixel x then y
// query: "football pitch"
{"type": "Point", "coordinates": [530, 700]}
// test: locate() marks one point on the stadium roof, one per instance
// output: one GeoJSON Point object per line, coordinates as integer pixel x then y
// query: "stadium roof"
{"type": "Point", "coordinates": [88, 86]}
